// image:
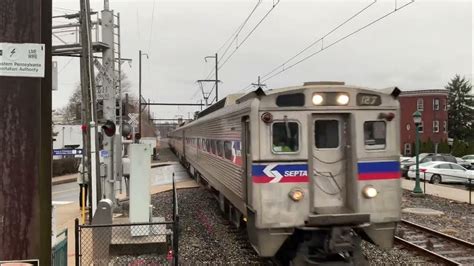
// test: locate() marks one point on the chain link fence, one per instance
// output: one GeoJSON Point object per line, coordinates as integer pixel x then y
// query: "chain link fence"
{"type": "Point", "coordinates": [153, 243]}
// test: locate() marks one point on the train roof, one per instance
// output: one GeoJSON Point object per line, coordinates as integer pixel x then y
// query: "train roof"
{"type": "Point", "coordinates": [237, 98]}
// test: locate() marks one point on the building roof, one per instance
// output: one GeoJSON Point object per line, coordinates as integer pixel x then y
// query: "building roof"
{"type": "Point", "coordinates": [425, 92]}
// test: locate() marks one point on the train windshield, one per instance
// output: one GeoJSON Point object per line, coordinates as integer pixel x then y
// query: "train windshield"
{"type": "Point", "coordinates": [375, 135]}
{"type": "Point", "coordinates": [285, 137]}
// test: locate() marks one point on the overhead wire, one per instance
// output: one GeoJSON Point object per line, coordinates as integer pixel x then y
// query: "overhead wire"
{"type": "Point", "coordinates": [236, 34]}
{"type": "Point", "coordinates": [322, 38]}
{"type": "Point", "coordinates": [151, 29]}
{"type": "Point", "coordinates": [326, 47]}
{"type": "Point", "coordinates": [248, 35]}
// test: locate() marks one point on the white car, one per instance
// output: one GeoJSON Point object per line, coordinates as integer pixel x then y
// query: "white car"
{"type": "Point", "coordinates": [469, 158]}
{"type": "Point", "coordinates": [438, 172]}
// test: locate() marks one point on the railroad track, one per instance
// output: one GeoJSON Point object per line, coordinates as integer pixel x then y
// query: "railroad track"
{"type": "Point", "coordinates": [441, 247]}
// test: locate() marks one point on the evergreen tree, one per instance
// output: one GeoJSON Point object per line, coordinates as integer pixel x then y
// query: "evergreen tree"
{"type": "Point", "coordinates": [470, 148]}
{"type": "Point", "coordinates": [459, 148]}
{"type": "Point", "coordinates": [460, 109]}
{"type": "Point", "coordinates": [443, 147]}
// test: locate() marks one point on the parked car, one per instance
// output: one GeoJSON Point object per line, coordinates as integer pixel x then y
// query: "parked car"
{"type": "Point", "coordinates": [463, 163]}
{"type": "Point", "coordinates": [439, 172]}
{"type": "Point", "coordinates": [469, 158]}
{"type": "Point", "coordinates": [425, 157]}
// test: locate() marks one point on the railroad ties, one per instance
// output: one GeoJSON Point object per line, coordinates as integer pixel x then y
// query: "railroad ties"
{"type": "Point", "coordinates": [441, 247]}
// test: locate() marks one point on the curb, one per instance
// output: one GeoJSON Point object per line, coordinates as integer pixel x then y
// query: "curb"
{"type": "Point", "coordinates": [63, 181]}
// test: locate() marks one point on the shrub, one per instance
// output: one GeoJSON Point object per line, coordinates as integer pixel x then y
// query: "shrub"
{"type": "Point", "coordinates": [65, 166]}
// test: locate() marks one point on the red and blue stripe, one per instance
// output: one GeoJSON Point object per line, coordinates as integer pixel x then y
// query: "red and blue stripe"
{"type": "Point", "coordinates": [379, 170]}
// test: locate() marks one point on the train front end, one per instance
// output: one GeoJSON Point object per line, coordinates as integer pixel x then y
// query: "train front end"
{"type": "Point", "coordinates": [328, 173]}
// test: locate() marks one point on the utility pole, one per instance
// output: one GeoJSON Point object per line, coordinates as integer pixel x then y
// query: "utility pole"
{"type": "Point", "coordinates": [88, 85]}
{"type": "Point", "coordinates": [109, 98]}
{"type": "Point", "coordinates": [140, 89]}
{"type": "Point", "coordinates": [217, 76]}
{"type": "Point", "coordinates": [25, 112]}
{"type": "Point", "coordinates": [258, 84]}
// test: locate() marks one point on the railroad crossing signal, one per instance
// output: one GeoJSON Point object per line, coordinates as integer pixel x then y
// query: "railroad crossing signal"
{"type": "Point", "coordinates": [133, 119]}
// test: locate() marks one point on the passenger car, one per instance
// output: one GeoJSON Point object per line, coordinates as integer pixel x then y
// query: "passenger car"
{"type": "Point", "coordinates": [439, 172]}
{"type": "Point", "coordinates": [469, 158]}
{"type": "Point", "coordinates": [426, 157]}
{"type": "Point", "coordinates": [463, 163]}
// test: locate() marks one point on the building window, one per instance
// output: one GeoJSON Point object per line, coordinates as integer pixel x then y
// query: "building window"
{"type": "Point", "coordinates": [407, 149]}
{"type": "Point", "coordinates": [420, 127]}
{"type": "Point", "coordinates": [445, 126]}
{"type": "Point", "coordinates": [446, 105]}
{"type": "Point", "coordinates": [419, 104]}
{"type": "Point", "coordinates": [435, 104]}
{"type": "Point", "coordinates": [435, 126]}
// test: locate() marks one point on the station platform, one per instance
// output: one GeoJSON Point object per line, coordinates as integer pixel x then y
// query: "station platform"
{"type": "Point", "coordinates": [460, 194]}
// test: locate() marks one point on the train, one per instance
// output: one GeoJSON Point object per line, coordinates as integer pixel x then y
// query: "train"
{"type": "Point", "coordinates": [310, 170]}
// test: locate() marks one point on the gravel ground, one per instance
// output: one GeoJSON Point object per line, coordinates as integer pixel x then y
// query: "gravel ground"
{"type": "Point", "coordinates": [207, 238]}
{"type": "Point", "coordinates": [457, 219]}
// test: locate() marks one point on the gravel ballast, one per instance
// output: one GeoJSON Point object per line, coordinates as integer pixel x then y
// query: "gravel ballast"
{"type": "Point", "coordinates": [458, 218]}
{"type": "Point", "coordinates": [206, 237]}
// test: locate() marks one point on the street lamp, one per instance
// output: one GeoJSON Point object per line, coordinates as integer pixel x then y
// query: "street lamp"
{"type": "Point", "coordinates": [417, 120]}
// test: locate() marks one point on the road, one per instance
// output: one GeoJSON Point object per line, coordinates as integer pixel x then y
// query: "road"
{"type": "Point", "coordinates": [66, 192]}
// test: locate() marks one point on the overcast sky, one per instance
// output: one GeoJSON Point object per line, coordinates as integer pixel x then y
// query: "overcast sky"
{"type": "Point", "coordinates": [420, 46]}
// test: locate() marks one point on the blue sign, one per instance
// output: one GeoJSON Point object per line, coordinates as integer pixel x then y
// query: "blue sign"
{"type": "Point", "coordinates": [104, 153]}
{"type": "Point", "coordinates": [67, 151]}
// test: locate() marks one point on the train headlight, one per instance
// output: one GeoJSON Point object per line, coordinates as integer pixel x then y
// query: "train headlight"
{"type": "Point", "coordinates": [296, 194]}
{"type": "Point", "coordinates": [343, 99]}
{"type": "Point", "coordinates": [318, 99]}
{"type": "Point", "coordinates": [369, 192]}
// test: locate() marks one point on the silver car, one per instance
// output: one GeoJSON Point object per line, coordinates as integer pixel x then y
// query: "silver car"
{"type": "Point", "coordinates": [440, 172]}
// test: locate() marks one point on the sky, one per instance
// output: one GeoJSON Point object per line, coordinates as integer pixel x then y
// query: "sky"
{"type": "Point", "coordinates": [420, 46]}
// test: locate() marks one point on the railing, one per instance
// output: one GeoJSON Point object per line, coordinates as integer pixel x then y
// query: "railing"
{"type": "Point", "coordinates": [430, 177]}
{"type": "Point", "coordinates": [153, 243]}
{"type": "Point", "coordinates": [59, 251]}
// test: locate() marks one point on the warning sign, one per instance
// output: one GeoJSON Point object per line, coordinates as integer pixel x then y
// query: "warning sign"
{"type": "Point", "coordinates": [22, 59]}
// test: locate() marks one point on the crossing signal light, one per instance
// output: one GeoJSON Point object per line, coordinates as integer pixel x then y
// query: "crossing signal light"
{"type": "Point", "coordinates": [138, 136]}
{"type": "Point", "coordinates": [109, 128]}
{"type": "Point", "coordinates": [128, 137]}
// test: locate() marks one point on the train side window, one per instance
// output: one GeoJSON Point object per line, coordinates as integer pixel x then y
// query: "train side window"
{"type": "Point", "coordinates": [213, 147]}
{"type": "Point", "coordinates": [220, 148]}
{"type": "Point", "coordinates": [228, 150]}
{"type": "Point", "coordinates": [285, 137]}
{"type": "Point", "coordinates": [375, 134]}
{"type": "Point", "coordinates": [208, 145]}
{"type": "Point", "coordinates": [198, 143]}
{"type": "Point", "coordinates": [326, 134]}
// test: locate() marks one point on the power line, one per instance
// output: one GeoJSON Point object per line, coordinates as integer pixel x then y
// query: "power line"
{"type": "Point", "coordinates": [151, 29]}
{"type": "Point", "coordinates": [333, 43]}
{"type": "Point", "coordinates": [321, 38]}
{"type": "Point", "coordinates": [250, 33]}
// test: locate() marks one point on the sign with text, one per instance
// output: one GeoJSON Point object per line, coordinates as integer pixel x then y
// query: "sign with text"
{"type": "Point", "coordinates": [22, 59]}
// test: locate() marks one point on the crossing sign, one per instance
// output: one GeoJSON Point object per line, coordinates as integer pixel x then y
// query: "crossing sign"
{"type": "Point", "coordinates": [133, 119]}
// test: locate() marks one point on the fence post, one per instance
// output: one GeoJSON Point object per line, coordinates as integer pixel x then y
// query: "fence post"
{"type": "Point", "coordinates": [175, 240]}
{"type": "Point", "coordinates": [424, 182]}
{"type": "Point", "coordinates": [470, 191]}
{"type": "Point", "coordinates": [76, 241]}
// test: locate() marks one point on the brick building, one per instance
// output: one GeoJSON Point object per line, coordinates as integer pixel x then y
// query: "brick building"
{"type": "Point", "coordinates": [433, 106]}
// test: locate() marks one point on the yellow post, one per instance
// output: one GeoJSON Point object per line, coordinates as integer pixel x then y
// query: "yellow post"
{"type": "Point", "coordinates": [83, 192]}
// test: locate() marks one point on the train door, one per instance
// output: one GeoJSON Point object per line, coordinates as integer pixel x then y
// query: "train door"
{"type": "Point", "coordinates": [246, 159]}
{"type": "Point", "coordinates": [328, 141]}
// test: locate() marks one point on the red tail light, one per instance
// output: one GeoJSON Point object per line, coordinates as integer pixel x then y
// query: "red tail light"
{"type": "Point", "coordinates": [423, 170]}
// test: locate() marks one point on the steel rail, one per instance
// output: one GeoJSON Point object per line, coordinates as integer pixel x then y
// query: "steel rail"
{"type": "Point", "coordinates": [430, 253]}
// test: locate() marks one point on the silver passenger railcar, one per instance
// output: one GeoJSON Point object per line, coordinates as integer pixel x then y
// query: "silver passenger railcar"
{"type": "Point", "coordinates": [312, 169]}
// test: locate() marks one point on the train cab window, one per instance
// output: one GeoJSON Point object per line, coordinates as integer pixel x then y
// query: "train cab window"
{"type": "Point", "coordinates": [326, 134]}
{"type": "Point", "coordinates": [220, 148]}
{"type": "Point", "coordinates": [228, 150]}
{"type": "Point", "coordinates": [285, 137]}
{"type": "Point", "coordinates": [375, 135]}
